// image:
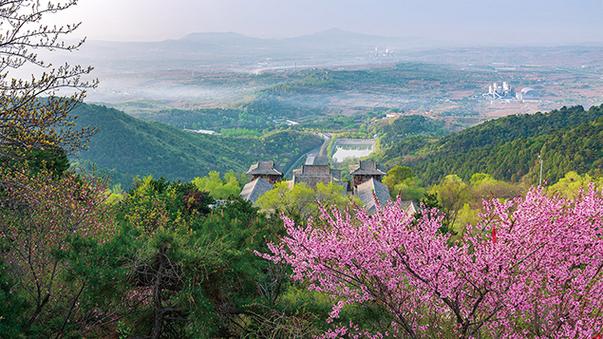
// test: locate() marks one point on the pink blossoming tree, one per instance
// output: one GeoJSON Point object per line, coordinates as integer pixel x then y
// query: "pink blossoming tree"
{"type": "Point", "coordinates": [531, 267]}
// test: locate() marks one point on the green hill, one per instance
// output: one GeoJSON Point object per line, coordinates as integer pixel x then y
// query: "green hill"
{"type": "Point", "coordinates": [406, 135]}
{"type": "Point", "coordinates": [124, 147]}
{"type": "Point", "coordinates": [508, 148]}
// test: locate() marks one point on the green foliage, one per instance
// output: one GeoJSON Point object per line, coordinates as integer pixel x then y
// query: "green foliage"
{"type": "Point", "coordinates": [52, 159]}
{"type": "Point", "coordinates": [485, 187]}
{"type": "Point", "coordinates": [239, 132]}
{"type": "Point", "coordinates": [100, 270]}
{"type": "Point", "coordinates": [406, 135]}
{"type": "Point", "coordinates": [302, 202]}
{"type": "Point", "coordinates": [409, 189]}
{"type": "Point", "coordinates": [572, 184]}
{"type": "Point", "coordinates": [412, 125]}
{"type": "Point", "coordinates": [461, 201]}
{"type": "Point", "coordinates": [192, 270]}
{"type": "Point", "coordinates": [13, 305]}
{"type": "Point", "coordinates": [396, 175]}
{"type": "Point", "coordinates": [215, 119]}
{"type": "Point", "coordinates": [335, 122]}
{"type": "Point", "coordinates": [402, 182]}
{"type": "Point", "coordinates": [452, 193]}
{"type": "Point", "coordinates": [39, 215]}
{"type": "Point", "coordinates": [115, 195]}
{"type": "Point", "coordinates": [508, 148]}
{"type": "Point", "coordinates": [219, 188]}
{"type": "Point", "coordinates": [466, 215]}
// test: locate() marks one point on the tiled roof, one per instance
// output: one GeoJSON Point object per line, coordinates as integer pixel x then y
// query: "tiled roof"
{"type": "Point", "coordinates": [367, 167]}
{"type": "Point", "coordinates": [409, 206]}
{"type": "Point", "coordinates": [255, 189]}
{"type": "Point", "coordinates": [314, 159]}
{"type": "Point", "coordinates": [264, 168]}
{"type": "Point", "coordinates": [311, 175]}
{"type": "Point", "coordinates": [373, 193]}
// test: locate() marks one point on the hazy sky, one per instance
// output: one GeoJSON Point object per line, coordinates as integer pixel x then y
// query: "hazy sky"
{"type": "Point", "coordinates": [467, 21]}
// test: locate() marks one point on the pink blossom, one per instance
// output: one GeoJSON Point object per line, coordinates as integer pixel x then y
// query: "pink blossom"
{"type": "Point", "coordinates": [531, 267]}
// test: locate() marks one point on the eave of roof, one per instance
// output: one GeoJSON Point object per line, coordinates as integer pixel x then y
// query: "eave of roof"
{"type": "Point", "coordinates": [255, 189]}
{"type": "Point", "coordinates": [373, 193]}
{"type": "Point", "coordinates": [362, 171]}
{"type": "Point", "coordinates": [263, 168]}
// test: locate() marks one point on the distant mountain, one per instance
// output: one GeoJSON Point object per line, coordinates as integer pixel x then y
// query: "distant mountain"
{"type": "Point", "coordinates": [337, 38]}
{"type": "Point", "coordinates": [336, 33]}
{"type": "Point", "coordinates": [330, 36]}
{"type": "Point", "coordinates": [508, 148]}
{"type": "Point", "coordinates": [227, 49]}
{"type": "Point", "coordinates": [219, 37]}
{"type": "Point", "coordinates": [124, 147]}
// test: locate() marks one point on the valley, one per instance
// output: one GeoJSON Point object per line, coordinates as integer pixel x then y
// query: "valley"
{"type": "Point", "coordinates": [335, 73]}
{"type": "Point", "coordinates": [240, 94]}
{"type": "Point", "coordinates": [125, 147]}
{"type": "Point", "coordinates": [258, 107]}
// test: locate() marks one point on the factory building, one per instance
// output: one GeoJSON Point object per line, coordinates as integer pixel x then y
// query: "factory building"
{"type": "Point", "coordinates": [500, 91]}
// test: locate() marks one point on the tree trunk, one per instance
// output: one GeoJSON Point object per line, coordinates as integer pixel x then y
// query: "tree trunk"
{"type": "Point", "coordinates": [37, 312]}
{"type": "Point", "coordinates": [158, 314]}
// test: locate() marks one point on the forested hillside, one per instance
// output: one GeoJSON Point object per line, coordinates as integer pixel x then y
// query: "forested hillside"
{"type": "Point", "coordinates": [406, 135]}
{"type": "Point", "coordinates": [508, 148]}
{"type": "Point", "coordinates": [124, 147]}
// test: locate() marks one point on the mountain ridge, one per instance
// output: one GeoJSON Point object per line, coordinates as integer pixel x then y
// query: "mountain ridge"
{"type": "Point", "coordinates": [330, 32]}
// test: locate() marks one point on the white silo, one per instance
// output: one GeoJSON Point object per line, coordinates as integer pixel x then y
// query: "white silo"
{"type": "Point", "coordinates": [506, 87]}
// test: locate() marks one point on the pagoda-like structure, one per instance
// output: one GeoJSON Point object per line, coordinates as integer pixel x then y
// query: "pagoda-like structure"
{"type": "Point", "coordinates": [262, 175]}
{"type": "Point", "coordinates": [316, 169]}
{"type": "Point", "coordinates": [365, 171]}
{"type": "Point", "coordinates": [265, 170]}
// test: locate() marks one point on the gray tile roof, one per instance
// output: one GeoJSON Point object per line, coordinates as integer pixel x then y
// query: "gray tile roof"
{"type": "Point", "coordinates": [311, 175]}
{"type": "Point", "coordinates": [264, 168]}
{"type": "Point", "coordinates": [315, 159]}
{"type": "Point", "coordinates": [373, 193]}
{"type": "Point", "coordinates": [255, 189]}
{"type": "Point", "coordinates": [409, 206]}
{"type": "Point", "coordinates": [367, 167]}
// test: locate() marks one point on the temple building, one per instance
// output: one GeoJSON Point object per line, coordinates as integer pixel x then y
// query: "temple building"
{"type": "Point", "coordinates": [263, 176]}
{"type": "Point", "coordinates": [363, 172]}
{"type": "Point", "coordinates": [366, 185]}
{"type": "Point", "coordinates": [255, 189]}
{"type": "Point", "coordinates": [316, 169]}
{"type": "Point", "coordinates": [365, 181]}
{"type": "Point", "coordinates": [265, 170]}
{"type": "Point", "coordinates": [372, 193]}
